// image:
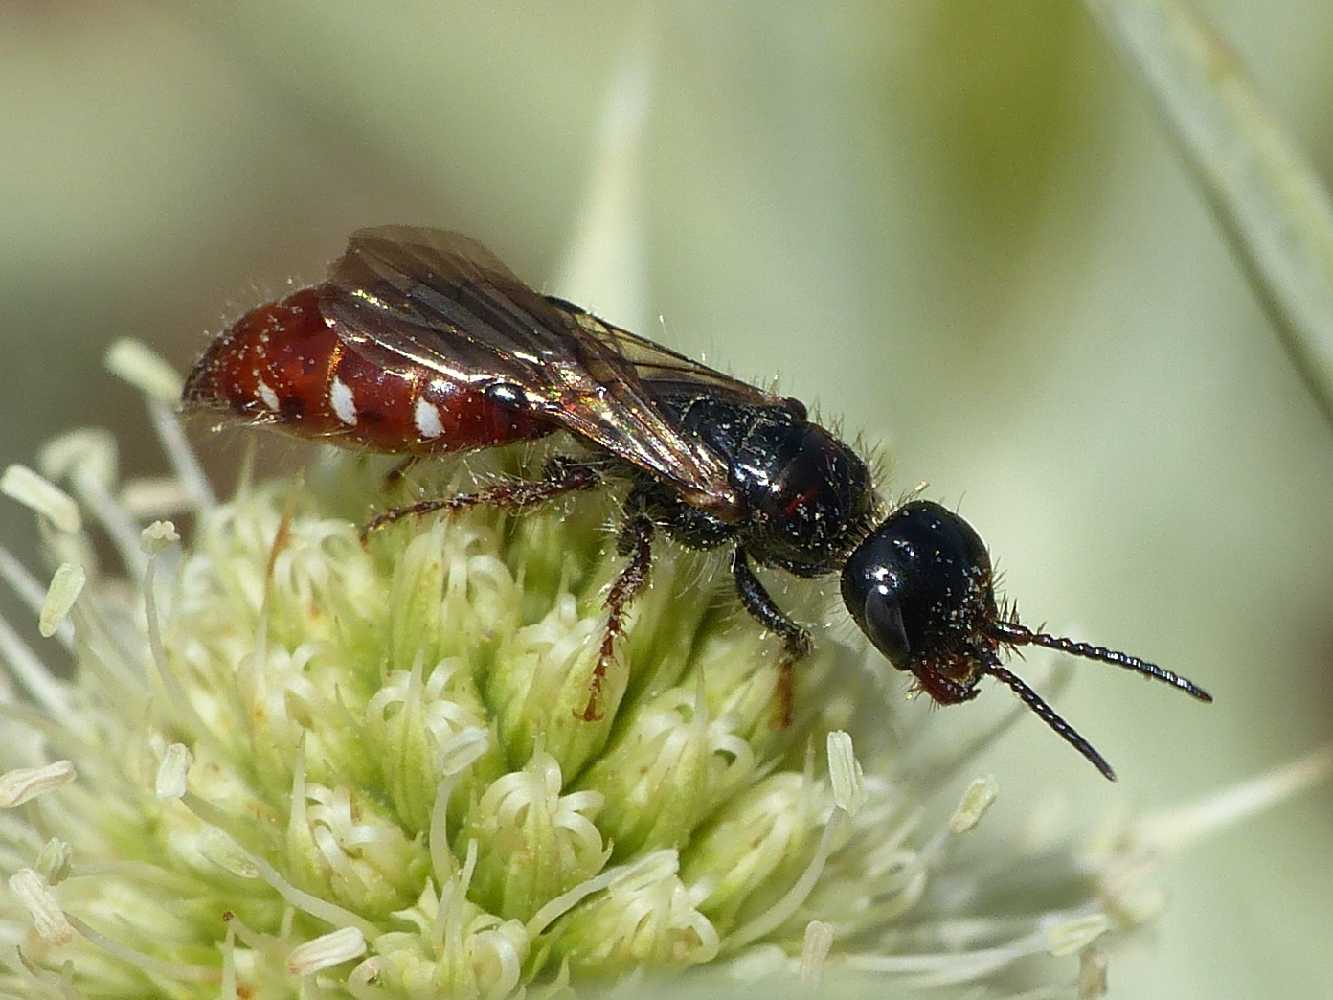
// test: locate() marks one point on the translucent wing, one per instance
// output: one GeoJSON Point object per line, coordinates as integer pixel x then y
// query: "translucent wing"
{"type": "Point", "coordinates": [443, 301]}
{"type": "Point", "coordinates": [664, 370]}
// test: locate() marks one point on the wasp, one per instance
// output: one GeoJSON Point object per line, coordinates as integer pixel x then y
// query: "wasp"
{"type": "Point", "coordinates": [421, 343]}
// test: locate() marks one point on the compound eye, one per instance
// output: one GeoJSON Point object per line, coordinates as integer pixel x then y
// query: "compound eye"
{"type": "Point", "coordinates": [884, 627]}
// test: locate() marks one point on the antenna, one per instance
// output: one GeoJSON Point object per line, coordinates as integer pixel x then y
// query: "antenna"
{"type": "Point", "coordinates": [1014, 634]}
{"type": "Point", "coordinates": [991, 665]}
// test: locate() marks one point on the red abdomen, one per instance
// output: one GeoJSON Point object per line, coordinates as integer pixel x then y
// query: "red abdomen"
{"type": "Point", "coordinates": [283, 364]}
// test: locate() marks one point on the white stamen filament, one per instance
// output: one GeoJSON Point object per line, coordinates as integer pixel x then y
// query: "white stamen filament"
{"type": "Point", "coordinates": [457, 756]}
{"type": "Point", "coordinates": [133, 956]}
{"type": "Point", "coordinates": [30, 591]}
{"type": "Point", "coordinates": [1176, 829]}
{"type": "Point", "coordinates": [119, 525]}
{"type": "Point", "coordinates": [849, 794]}
{"type": "Point", "coordinates": [181, 456]}
{"type": "Point", "coordinates": [28, 669]}
{"type": "Point", "coordinates": [562, 904]}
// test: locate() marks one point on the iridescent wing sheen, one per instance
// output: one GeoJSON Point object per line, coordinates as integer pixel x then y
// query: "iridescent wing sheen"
{"type": "Point", "coordinates": [443, 301]}
{"type": "Point", "coordinates": [662, 370]}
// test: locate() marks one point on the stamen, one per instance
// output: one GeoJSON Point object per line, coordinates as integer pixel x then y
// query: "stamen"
{"type": "Point", "coordinates": [1064, 931]}
{"type": "Point", "coordinates": [172, 773]}
{"type": "Point", "coordinates": [319, 908]}
{"type": "Point", "coordinates": [362, 979]}
{"type": "Point", "coordinates": [1178, 828]}
{"type": "Point", "coordinates": [815, 946]}
{"type": "Point", "coordinates": [120, 527]}
{"type": "Point", "coordinates": [181, 456]}
{"type": "Point", "coordinates": [228, 991]}
{"type": "Point", "coordinates": [49, 920]}
{"type": "Point", "coordinates": [22, 484]}
{"type": "Point", "coordinates": [86, 458]}
{"type": "Point", "coordinates": [1091, 974]}
{"type": "Point", "coordinates": [1070, 936]}
{"type": "Point", "coordinates": [566, 901]}
{"type": "Point", "coordinates": [91, 450]}
{"type": "Point", "coordinates": [21, 581]}
{"type": "Point", "coordinates": [144, 369]}
{"type": "Point", "coordinates": [977, 798]}
{"type": "Point", "coordinates": [161, 384]}
{"type": "Point", "coordinates": [326, 951]}
{"type": "Point", "coordinates": [457, 756]}
{"type": "Point", "coordinates": [453, 896]}
{"type": "Point", "coordinates": [849, 795]}
{"type": "Point", "coordinates": [849, 791]}
{"type": "Point", "coordinates": [133, 956]}
{"type": "Point", "coordinates": [26, 783]}
{"type": "Point", "coordinates": [157, 537]}
{"type": "Point", "coordinates": [28, 669]}
{"type": "Point", "coordinates": [65, 588]}
{"type": "Point", "coordinates": [154, 496]}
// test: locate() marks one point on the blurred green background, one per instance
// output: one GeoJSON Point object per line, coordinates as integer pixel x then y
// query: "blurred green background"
{"type": "Point", "coordinates": [957, 225]}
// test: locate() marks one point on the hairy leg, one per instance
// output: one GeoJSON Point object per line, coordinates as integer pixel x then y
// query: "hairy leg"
{"type": "Point", "coordinates": [636, 542]}
{"type": "Point", "coordinates": [796, 642]}
{"type": "Point", "coordinates": [561, 475]}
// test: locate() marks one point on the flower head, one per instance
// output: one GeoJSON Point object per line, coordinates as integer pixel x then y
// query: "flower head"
{"type": "Point", "coordinates": [287, 761]}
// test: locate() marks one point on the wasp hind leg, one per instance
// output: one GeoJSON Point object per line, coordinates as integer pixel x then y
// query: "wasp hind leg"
{"type": "Point", "coordinates": [796, 641]}
{"type": "Point", "coordinates": [636, 542]}
{"type": "Point", "coordinates": [561, 475]}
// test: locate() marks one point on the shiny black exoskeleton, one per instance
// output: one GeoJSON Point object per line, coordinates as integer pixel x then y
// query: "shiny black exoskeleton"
{"type": "Point", "coordinates": [806, 496]}
{"type": "Point", "coordinates": [921, 588]}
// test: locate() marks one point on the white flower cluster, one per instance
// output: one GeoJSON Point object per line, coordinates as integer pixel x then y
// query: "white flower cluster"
{"type": "Point", "coordinates": [288, 764]}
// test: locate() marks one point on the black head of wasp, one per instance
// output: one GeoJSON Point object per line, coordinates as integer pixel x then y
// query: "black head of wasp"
{"type": "Point", "coordinates": [422, 343]}
{"type": "Point", "coordinates": [921, 588]}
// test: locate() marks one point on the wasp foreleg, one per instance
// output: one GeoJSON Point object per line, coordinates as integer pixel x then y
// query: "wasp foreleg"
{"type": "Point", "coordinates": [796, 642]}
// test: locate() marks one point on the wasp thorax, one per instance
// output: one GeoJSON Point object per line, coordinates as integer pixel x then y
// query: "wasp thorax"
{"type": "Point", "coordinates": [805, 492]}
{"type": "Point", "coordinates": [919, 586]}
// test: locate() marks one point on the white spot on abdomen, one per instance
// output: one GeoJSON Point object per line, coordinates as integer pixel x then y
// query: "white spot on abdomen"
{"type": "Point", "coordinates": [428, 420]}
{"type": "Point", "coordinates": [340, 398]}
{"type": "Point", "coordinates": [268, 396]}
